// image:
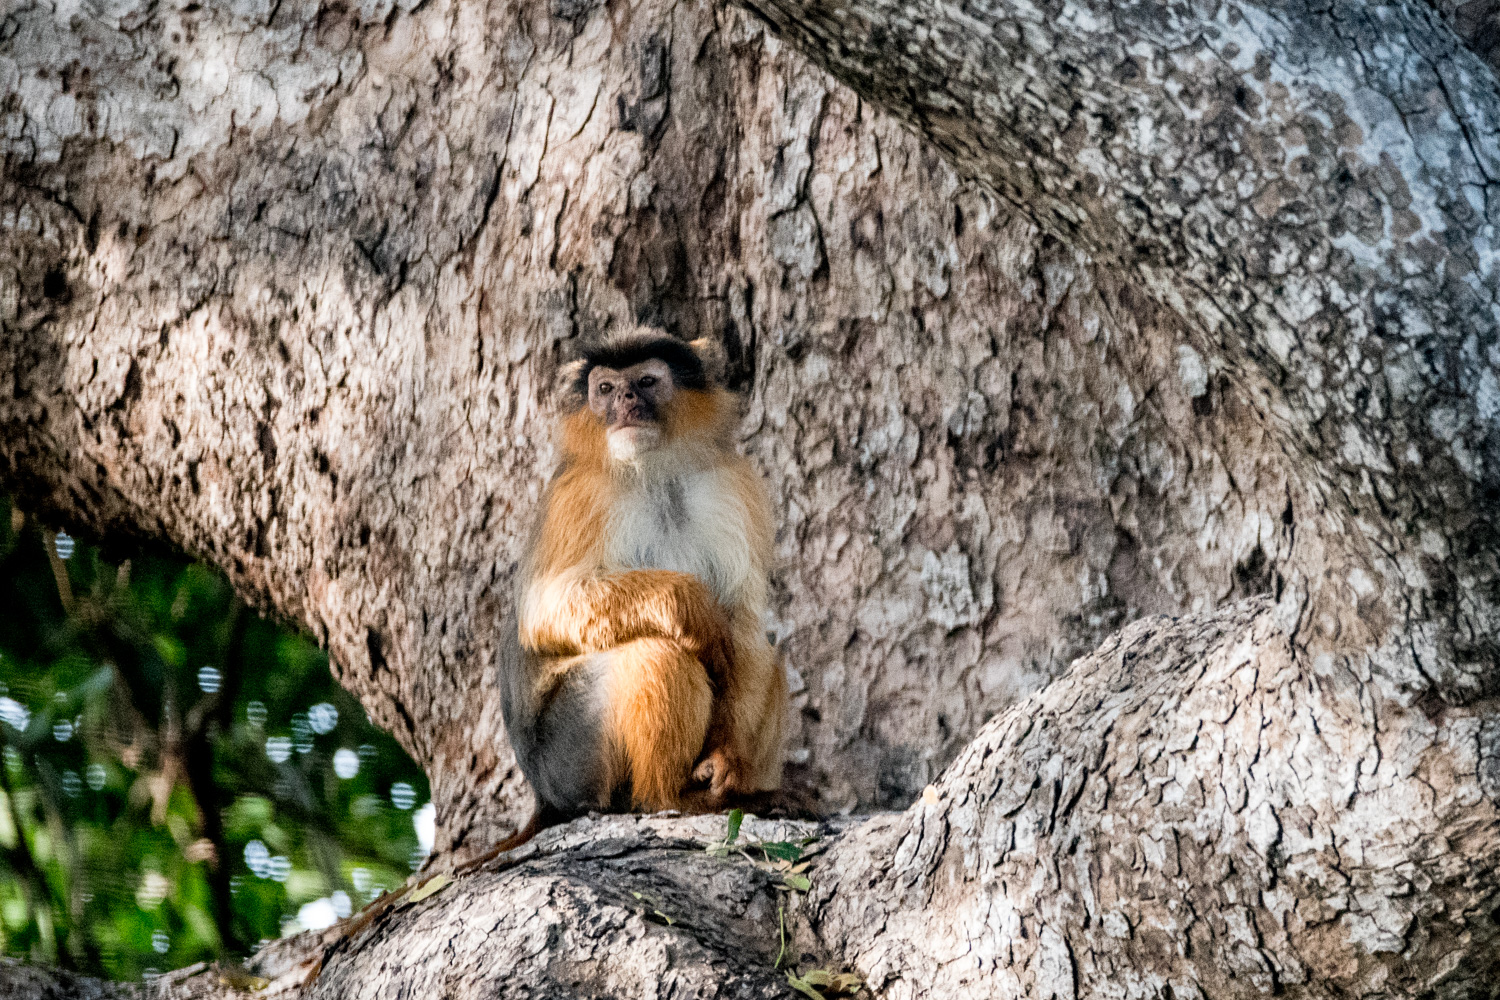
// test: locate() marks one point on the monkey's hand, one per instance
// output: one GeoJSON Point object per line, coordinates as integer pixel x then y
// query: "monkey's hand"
{"type": "Point", "coordinates": [672, 605]}
{"type": "Point", "coordinates": [725, 773]}
{"type": "Point", "coordinates": [706, 633]}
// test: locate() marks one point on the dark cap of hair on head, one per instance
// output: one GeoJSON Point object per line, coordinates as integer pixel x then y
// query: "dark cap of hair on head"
{"type": "Point", "coordinates": [626, 349]}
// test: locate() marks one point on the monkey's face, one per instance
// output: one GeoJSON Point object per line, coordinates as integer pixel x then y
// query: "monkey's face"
{"type": "Point", "coordinates": [632, 403]}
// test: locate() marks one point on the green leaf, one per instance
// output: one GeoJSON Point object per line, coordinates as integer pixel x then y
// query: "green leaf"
{"type": "Point", "coordinates": [237, 978]}
{"type": "Point", "coordinates": [656, 909]}
{"type": "Point", "coordinates": [437, 883]}
{"type": "Point", "coordinates": [781, 929]}
{"type": "Point", "coordinates": [736, 817]}
{"type": "Point", "coordinates": [836, 983]}
{"type": "Point", "coordinates": [782, 850]}
{"type": "Point", "coordinates": [798, 882]}
{"type": "Point", "coordinates": [803, 986]}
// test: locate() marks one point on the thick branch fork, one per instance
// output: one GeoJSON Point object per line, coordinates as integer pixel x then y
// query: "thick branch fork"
{"type": "Point", "coordinates": [300, 319]}
{"type": "Point", "coordinates": [1170, 814]}
{"type": "Point", "coordinates": [1312, 188]}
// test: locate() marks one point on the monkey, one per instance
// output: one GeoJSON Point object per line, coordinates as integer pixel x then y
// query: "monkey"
{"type": "Point", "coordinates": [635, 670]}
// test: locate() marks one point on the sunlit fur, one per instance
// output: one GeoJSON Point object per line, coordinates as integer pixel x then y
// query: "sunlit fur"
{"type": "Point", "coordinates": [650, 567]}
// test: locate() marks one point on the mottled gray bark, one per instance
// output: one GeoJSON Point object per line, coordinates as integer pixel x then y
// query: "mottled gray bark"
{"type": "Point", "coordinates": [315, 347]}
{"type": "Point", "coordinates": [19, 982]}
{"type": "Point", "coordinates": [1477, 22]}
{"type": "Point", "coordinates": [285, 285]}
{"type": "Point", "coordinates": [1188, 810]}
{"type": "Point", "coordinates": [617, 906]}
{"type": "Point", "coordinates": [1194, 808]}
{"type": "Point", "coordinates": [1310, 188]}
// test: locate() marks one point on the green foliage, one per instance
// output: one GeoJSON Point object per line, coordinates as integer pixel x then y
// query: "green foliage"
{"type": "Point", "coordinates": [736, 817]}
{"type": "Point", "coordinates": [781, 850]}
{"type": "Point", "coordinates": [179, 776]}
{"type": "Point", "coordinates": [820, 983]}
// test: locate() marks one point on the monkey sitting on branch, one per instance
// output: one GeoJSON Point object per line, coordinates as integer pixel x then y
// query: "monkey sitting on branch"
{"type": "Point", "coordinates": [637, 673]}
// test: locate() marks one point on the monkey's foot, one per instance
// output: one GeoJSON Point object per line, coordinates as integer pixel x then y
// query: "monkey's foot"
{"type": "Point", "coordinates": [725, 774]}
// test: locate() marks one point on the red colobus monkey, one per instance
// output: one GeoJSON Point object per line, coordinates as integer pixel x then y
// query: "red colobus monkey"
{"type": "Point", "coordinates": [637, 673]}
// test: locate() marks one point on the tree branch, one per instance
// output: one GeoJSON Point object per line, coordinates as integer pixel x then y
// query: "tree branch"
{"type": "Point", "coordinates": [299, 319]}
{"type": "Point", "coordinates": [1306, 186]}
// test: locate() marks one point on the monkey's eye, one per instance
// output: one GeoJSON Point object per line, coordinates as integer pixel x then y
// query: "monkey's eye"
{"type": "Point", "coordinates": [647, 381]}
{"type": "Point", "coordinates": [605, 388]}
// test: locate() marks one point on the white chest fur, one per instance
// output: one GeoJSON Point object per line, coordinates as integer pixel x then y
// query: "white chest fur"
{"type": "Point", "coordinates": [690, 523]}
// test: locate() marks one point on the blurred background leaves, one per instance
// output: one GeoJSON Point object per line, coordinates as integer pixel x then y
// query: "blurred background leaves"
{"type": "Point", "coordinates": [181, 779]}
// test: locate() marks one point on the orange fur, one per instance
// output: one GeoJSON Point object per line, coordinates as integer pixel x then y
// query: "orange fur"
{"type": "Point", "coordinates": [689, 681]}
{"type": "Point", "coordinates": [660, 702]}
{"type": "Point", "coordinates": [595, 615]}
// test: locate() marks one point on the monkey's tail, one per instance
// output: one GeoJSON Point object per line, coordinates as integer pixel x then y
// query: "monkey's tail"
{"type": "Point", "coordinates": [541, 818]}
{"type": "Point", "coordinates": [520, 707]}
{"type": "Point", "coordinates": [518, 700]}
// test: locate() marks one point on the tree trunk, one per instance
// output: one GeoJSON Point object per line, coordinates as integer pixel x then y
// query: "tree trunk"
{"type": "Point", "coordinates": [1140, 312]}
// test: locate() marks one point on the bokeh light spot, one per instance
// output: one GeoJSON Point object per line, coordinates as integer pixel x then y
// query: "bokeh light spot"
{"type": "Point", "coordinates": [403, 796]}
{"type": "Point", "coordinates": [322, 717]}
{"type": "Point", "coordinates": [278, 748]}
{"type": "Point", "coordinates": [258, 859]}
{"type": "Point", "coordinates": [424, 820]}
{"type": "Point", "coordinates": [345, 763]}
{"type": "Point", "coordinates": [317, 915]}
{"type": "Point", "coordinates": [14, 714]}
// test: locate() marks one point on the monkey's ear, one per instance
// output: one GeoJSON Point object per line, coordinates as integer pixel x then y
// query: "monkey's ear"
{"type": "Point", "coordinates": [572, 382]}
{"type": "Point", "coordinates": [711, 353]}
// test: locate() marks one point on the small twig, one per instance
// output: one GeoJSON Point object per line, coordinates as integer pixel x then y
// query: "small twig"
{"type": "Point", "coordinates": [23, 863]}
{"type": "Point", "coordinates": [59, 571]}
{"type": "Point", "coordinates": [199, 771]}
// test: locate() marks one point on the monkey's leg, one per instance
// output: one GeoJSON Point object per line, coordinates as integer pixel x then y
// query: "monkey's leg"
{"type": "Point", "coordinates": [765, 715]}
{"type": "Point", "coordinates": [565, 752]}
{"type": "Point", "coordinates": [742, 755]}
{"type": "Point", "coordinates": [659, 706]}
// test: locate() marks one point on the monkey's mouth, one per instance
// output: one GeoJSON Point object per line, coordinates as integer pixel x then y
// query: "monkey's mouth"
{"type": "Point", "coordinates": [628, 441]}
{"type": "Point", "coordinates": [635, 413]}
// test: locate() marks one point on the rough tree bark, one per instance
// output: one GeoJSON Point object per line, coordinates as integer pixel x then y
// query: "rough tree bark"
{"type": "Point", "coordinates": [1143, 311]}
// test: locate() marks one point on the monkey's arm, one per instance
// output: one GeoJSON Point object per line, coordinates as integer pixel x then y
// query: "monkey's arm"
{"type": "Point", "coordinates": [742, 754]}
{"type": "Point", "coordinates": [748, 698]}
{"type": "Point", "coordinates": [571, 614]}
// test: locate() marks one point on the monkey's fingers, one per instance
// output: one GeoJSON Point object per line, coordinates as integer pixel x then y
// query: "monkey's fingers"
{"type": "Point", "coordinates": [703, 774]}
{"type": "Point", "coordinates": [724, 772]}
